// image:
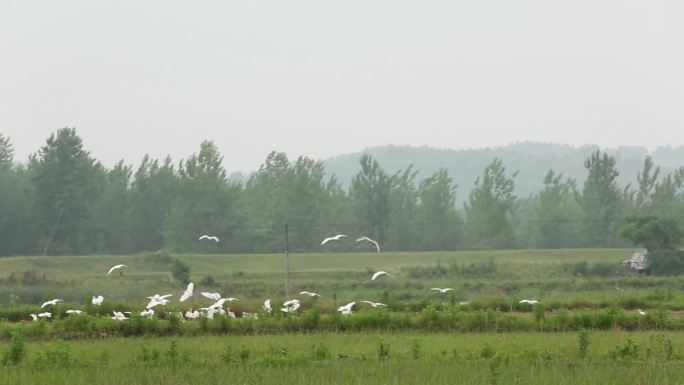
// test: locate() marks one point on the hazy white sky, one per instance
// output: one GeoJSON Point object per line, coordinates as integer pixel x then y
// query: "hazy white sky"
{"type": "Point", "coordinates": [321, 78]}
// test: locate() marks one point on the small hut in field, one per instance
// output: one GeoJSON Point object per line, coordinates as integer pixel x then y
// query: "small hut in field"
{"type": "Point", "coordinates": [638, 262]}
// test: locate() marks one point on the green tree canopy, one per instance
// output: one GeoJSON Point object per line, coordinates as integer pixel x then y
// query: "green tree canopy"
{"type": "Point", "coordinates": [601, 201]}
{"type": "Point", "coordinates": [488, 207]}
{"type": "Point", "coordinates": [65, 179]}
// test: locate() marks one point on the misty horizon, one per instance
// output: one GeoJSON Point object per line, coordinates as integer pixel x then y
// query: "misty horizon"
{"type": "Point", "coordinates": [316, 79]}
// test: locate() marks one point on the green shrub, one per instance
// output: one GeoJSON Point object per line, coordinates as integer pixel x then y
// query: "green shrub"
{"type": "Point", "coordinates": [180, 272]}
{"type": "Point", "coordinates": [16, 351]}
{"type": "Point", "coordinates": [583, 343]}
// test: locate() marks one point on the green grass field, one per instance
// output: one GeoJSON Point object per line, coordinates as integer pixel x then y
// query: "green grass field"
{"type": "Point", "coordinates": [422, 338]}
{"type": "Point", "coordinates": [358, 358]}
{"type": "Point", "coordinates": [256, 277]}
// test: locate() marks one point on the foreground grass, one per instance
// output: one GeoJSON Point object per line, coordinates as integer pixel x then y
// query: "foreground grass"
{"type": "Point", "coordinates": [612, 357]}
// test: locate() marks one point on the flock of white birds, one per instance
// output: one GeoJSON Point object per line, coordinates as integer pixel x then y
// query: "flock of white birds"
{"type": "Point", "coordinates": [219, 302]}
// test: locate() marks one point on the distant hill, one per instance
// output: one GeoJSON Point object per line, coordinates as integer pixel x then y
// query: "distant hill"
{"type": "Point", "coordinates": [532, 160]}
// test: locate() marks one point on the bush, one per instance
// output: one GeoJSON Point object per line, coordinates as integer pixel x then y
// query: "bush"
{"type": "Point", "coordinates": [180, 272]}
{"type": "Point", "coordinates": [16, 351]}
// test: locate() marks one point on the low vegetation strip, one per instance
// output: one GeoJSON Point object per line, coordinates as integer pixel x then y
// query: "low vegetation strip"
{"type": "Point", "coordinates": [430, 319]}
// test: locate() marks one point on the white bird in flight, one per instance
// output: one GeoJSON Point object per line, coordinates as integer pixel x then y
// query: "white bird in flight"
{"type": "Point", "coordinates": [335, 238]}
{"type": "Point", "coordinates": [118, 316]}
{"type": "Point", "coordinates": [214, 296]}
{"type": "Point", "coordinates": [220, 302]}
{"type": "Point", "coordinates": [310, 294]}
{"type": "Point", "coordinates": [34, 317]}
{"type": "Point", "coordinates": [51, 302]}
{"type": "Point", "coordinates": [46, 314]}
{"type": "Point", "coordinates": [209, 238]}
{"type": "Point", "coordinates": [188, 292]}
{"type": "Point", "coordinates": [442, 290]}
{"type": "Point", "coordinates": [97, 300]}
{"type": "Point", "coordinates": [378, 274]}
{"type": "Point", "coordinates": [529, 301]}
{"type": "Point", "coordinates": [366, 239]}
{"type": "Point", "coordinates": [116, 267]}
{"type": "Point", "coordinates": [158, 300]}
{"type": "Point", "coordinates": [291, 306]}
{"type": "Point", "coordinates": [346, 309]}
{"type": "Point", "coordinates": [267, 306]}
{"type": "Point", "coordinates": [374, 304]}
{"type": "Point", "coordinates": [74, 311]}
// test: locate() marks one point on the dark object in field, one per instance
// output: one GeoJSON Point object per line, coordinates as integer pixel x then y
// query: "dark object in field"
{"type": "Point", "coordinates": [342, 355]}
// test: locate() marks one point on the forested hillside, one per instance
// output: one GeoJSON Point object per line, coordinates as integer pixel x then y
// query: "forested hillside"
{"type": "Point", "coordinates": [530, 159]}
{"type": "Point", "coordinates": [63, 201]}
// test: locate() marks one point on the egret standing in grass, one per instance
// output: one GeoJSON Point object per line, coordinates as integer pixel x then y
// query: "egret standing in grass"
{"type": "Point", "coordinates": [97, 301]}
{"type": "Point", "coordinates": [267, 306]}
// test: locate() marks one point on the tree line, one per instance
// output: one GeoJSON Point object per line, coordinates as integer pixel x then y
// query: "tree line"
{"type": "Point", "coordinates": [63, 201]}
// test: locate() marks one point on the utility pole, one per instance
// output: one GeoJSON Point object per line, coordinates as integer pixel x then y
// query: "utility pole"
{"type": "Point", "coordinates": [287, 262]}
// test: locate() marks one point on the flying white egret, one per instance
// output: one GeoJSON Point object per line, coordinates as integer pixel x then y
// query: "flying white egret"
{"type": "Point", "coordinates": [74, 311]}
{"type": "Point", "coordinates": [46, 314]}
{"type": "Point", "coordinates": [366, 239]}
{"type": "Point", "coordinates": [346, 309]}
{"type": "Point", "coordinates": [209, 238]}
{"type": "Point", "coordinates": [310, 294]}
{"type": "Point", "coordinates": [378, 274]}
{"type": "Point", "coordinates": [188, 292]}
{"type": "Point", "coordinates": [214, 296]}
{"type": "Point", "coordinates": [34, 317]}
{"type": "Point", "coordinates": [463, 303]}
{"type": "Point", "coordinates": [119, 316]}
{"type": "Point", "coordinates": [641, 312]}
{"type": "Point", "coordinates": [192, 314]}
{"type": "Point", "coordinates": [219, 304]}
{"type": "Point", "coordinates": [335, 238]}
{"type": "Point", "coordinates": [374, 304]}
{"type": "Point", "coordinates": [158, 300]}
{"type": "Point", "coordinates": [291, 306]}
{"type": "Point", "coordinates": [51, 302]}
{"type": "Point", "coordinates": [267, 306]}
{"type": "Point", "coordinates": [529, 301]}
{"type": "Point", "coordinates": [97, 300]}
{"type": "Point", "coordinates": [116, 267]}
{"type": "Point", "coordinates": [442, 290]}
